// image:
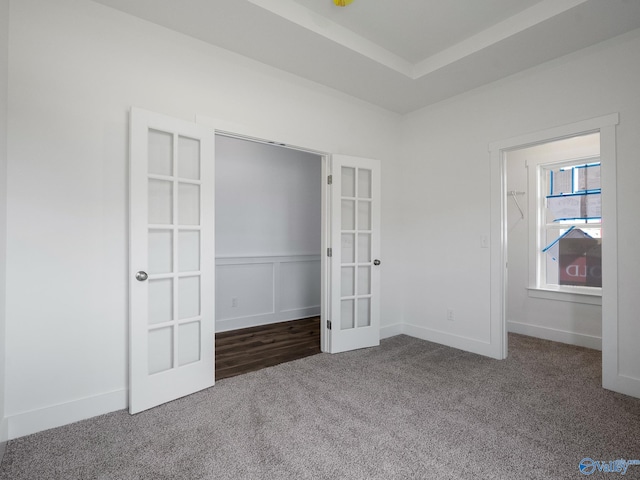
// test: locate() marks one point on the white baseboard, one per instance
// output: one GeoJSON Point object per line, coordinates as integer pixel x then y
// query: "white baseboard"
{"type": "Point", "coordinates": [555, 335]}
{"type": "Point", "coordinates": [255, 320]}
{"type": "Point", "coordinates": [391, 330]}
{"type": "Point", "coordinates": [449, 339]}
{"type": "Point", "coordinates": [35, 421]}
{"type": "Point", "coordinates": [4, 436]}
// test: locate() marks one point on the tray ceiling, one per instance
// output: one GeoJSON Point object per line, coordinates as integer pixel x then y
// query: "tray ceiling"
{"type": "Point", "coordinates": [399, 55]}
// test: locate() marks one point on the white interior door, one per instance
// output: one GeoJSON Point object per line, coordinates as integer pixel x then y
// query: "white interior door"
{"type": "Point", "coordinates": [355, 260]}
{"type": "Point", "coordinates": [171, 268]}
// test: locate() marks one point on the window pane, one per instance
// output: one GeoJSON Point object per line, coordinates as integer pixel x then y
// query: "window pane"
{"type": "Point", "coordinates": [348, 250]}
{"type": "Point", "coordinates": [160, 153]}
{"type": "Point", "coordinates": [348, 215]}
{"type": "Point", "coordinates": [189, 158]}
{"type": "Point", "coordinates": [580, 262]}
{"type": "Point", "coordinates": [347, 315]}
{"type": "Point", "coordinates": [347, 282]}
{"type": "Point", "coordinates": [348, 182]}
{"type": "Point", "coordinates": [364, 247]}
{"type": "Point", "coordinates": [364, 183]}
{"type": "Point", "coordinates": [189, 297]}
{"type": "Point", "coordinates": [188, 204]}
{"type": "Point", "coordinates": [364, 215]}
{"type": "Point", "coordinates": [572, 201]}
{"type": "Point", "coordinates": [160, 298]}
{"type": "Point", "coordinates": [188, 250]}
{"type": "Point", "coordinates": [364, 312]}
{"type": "Point", "coordinates": [588, 178]}
{"type": "Point", "coordinates": [160, 350]}
{"type": "Point", "coordinates": [160, 251]}
{"type": "Point", "coordinates": [188, 343]}
{"type": "Point", "coordinates": [364, 280]}
{"type": "Point", "coordinates": [160, 202]}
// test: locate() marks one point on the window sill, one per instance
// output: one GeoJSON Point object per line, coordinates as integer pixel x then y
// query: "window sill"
{"type": "Point", "coordinates": [577, 296]}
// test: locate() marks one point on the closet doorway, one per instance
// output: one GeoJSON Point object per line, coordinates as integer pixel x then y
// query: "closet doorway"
{"type": "Point", "coordinates": [554, 233]}
{"type": "Point", "coordinates": [612, 379]}
{"type": "Point", "coordinates": [268, 212]}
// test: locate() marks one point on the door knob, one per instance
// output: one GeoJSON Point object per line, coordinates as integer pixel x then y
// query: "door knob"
{"type": "Point", "coordinates": [376, 262]}
{"type": "Point", "coordinates": [141, 276]}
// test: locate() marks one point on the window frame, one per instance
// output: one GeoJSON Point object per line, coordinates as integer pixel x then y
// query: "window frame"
{"type": "Point", "coordinates": [538, 191]}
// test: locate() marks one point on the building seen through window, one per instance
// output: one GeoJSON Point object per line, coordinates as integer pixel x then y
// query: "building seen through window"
{"type": "Point", "coordinates": [570, 225]}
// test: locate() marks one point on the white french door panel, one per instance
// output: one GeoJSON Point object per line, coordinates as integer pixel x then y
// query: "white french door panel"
{"type": "Point", "coordinates": [355, 244]}
{"type": "Point", "coordinates": [171, 265]}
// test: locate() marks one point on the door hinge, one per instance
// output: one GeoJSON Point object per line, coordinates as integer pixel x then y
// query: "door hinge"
{"type": "Point", "coordinates": [329, 252]}
{"type": "Point", "coordinates": [328, 324]}
{"type": "Point", "coordinates": [330, 180]}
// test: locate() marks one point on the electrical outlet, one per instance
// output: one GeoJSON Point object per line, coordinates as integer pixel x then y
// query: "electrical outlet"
{"type": "Point", "coordinates": [450, 315]}
{"type": "Point", "coordinates": [234, 302]}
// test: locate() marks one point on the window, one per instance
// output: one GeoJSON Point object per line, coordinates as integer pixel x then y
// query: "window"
{"type": "Point", "coordinates": [569, 231]}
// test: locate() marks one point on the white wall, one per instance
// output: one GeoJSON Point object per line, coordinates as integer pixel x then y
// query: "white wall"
{"type": "Point", "coordinates": [75, 69]}
{"type": "Point", "coordinates": [4, 50]}
{"type": "Point", "coordinates": [268, 207]}
{"type": "Point", "coordinates": [268, 200]}
{"type": "Point", "coordinates": [446, 146]}
{"type": "Point", "coordinates": [574, 322]}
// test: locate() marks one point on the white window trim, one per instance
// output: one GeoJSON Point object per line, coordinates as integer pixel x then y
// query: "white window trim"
{"type": "Point", "coordinates": [578, 295]}
{"type": "Point", "coordinates": [536, 289]}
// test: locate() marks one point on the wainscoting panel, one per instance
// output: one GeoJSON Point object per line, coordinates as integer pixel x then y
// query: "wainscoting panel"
{"type": "Point", "coordinates": [299, 285]}
{"type": "Point", "coordinates": [244, 290]}
{"type": "Point", "coordinates": [260, 290]}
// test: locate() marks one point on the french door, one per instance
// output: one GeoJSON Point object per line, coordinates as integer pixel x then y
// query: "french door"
{"type": "Point", "coordinates": [172, 260]}
{"type": "Point", "coordinates": [354, 311]}
{"type": "Point", "coordinates": [171, 272]}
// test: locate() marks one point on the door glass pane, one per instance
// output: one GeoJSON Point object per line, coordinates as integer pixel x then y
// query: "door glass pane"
{"type": "Point", "coordinates": [364, 312]}
{"type": "Point", "coordinates": [188, 204]}
{"type": "Point", "coordinates": [160, 300]}
{"type": "Point", "coordinates": [160, 251]}
{"type": "Point", "coordinates": [364, 215]}
{"type": "Point", "coordinates": [188, 250]}
{"type": "Point", "coordinates": [160, 153]}
{"type": "Point", "coordinates": [348, 215]}
{"type": "Point", "coordinates": [348, 182]}
{"type": "Point", "coordinates": [160, 202]}
{"type": "Point", "coordinates": [189, 297]}
{"type": "Point", "coordinates": [364, 280]}
{"type": "Point", "coordinates": [188, 158]}
{"type": "Point", "coordinates": [347, 281]}
{"type": "Point", "coordinates": [347, 247]}
{"type": "Point", "coordinates": [364, 248]}
{"type": "Point", "coordinates": [364, 183]}
{"type": "Point", "coordinates": [347, 314]}
{"type": "Point", "coordinates": [160, 350]}
{"type": "Point", "coordinates": [188, 343]}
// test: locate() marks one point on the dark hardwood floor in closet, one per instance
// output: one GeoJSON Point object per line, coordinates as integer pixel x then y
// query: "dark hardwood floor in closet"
{"type": "Point", "coordinates": [254, 348]}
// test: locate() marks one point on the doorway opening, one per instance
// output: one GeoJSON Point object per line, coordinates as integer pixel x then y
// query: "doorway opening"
{"type": "Point", "coordinates": [268, 214]}
{"type": "Point", "coordinates": [554, 241]}
{"type": "Point", "coordinates": [605, 126]}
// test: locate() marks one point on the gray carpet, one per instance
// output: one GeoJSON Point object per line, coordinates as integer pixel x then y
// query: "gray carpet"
{"type": "Point", "coordinates": [407, 409]}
